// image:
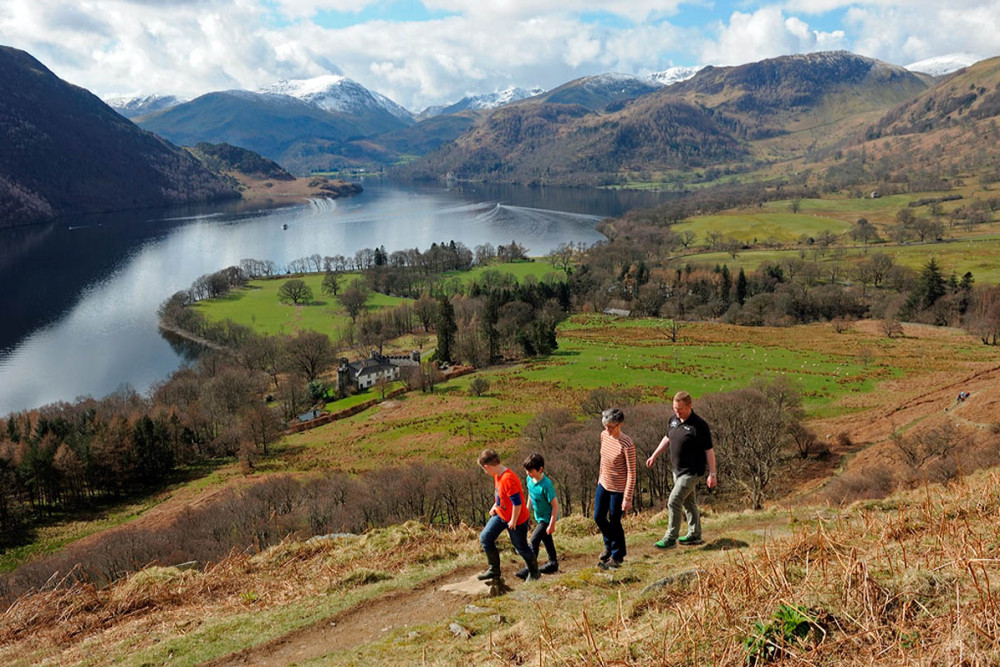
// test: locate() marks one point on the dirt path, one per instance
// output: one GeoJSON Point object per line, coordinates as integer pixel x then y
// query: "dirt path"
{"type": "Point", "coordinates": [373, 619]}
{"type": "Point", "coordinates": [358, 625]}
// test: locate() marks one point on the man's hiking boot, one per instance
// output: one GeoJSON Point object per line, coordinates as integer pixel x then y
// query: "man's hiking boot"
{"type": "Point", "coordinates": [493, 572]}
{"type": "Point", "coordinates": [605, 556]}
{"type": "Point", "coordinates": [610, 564]}
{"type": "Point", "coordinates": [550, 567]}
{"type": "Point", "coordinates": [522, 574]}
{"type": "Point", "coordinates": [533, 573]}
{"type": "Point", "coordinates": [666, 543]}
{"type": "Point", "coordinates": [688, 541]}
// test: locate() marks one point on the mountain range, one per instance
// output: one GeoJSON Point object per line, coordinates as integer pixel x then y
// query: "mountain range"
{"type": "Point", "coordinates": [781, 106]}
{"type": "Point", "coordinates": [722, 116]}
{"type": "Point", "coordinates": [68, 152]}
{"type": "Point", "coordinates": [332, 122]}
{"type": "Point", "coordinates": [65, 151]}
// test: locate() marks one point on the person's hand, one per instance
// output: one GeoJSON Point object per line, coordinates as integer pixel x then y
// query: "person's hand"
{"type": "Point", "coordinates": [650, 461]}
{"type": "Point", "coordinates": [511, 524]}
{"type": "Point", "coordinates": [626, 505]}
{"type": "Point", "coordinates": [712, 481]}
{"type": "Point", "coordinates": [551, 529]}
{"type": "Point", "coordinates": [493, 510]}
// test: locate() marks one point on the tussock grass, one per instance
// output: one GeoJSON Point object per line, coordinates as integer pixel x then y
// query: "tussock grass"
{"type": "Point", "coordinates": [912, 579]}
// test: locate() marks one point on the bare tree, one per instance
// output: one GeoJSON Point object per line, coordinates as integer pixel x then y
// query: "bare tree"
{"type": "Point", "coordinates": [296, 291]}
{"type": "Point", "coordinates": [353, 299]}
{"type": "Point", "coordinates": [331, 283]}
{"type": "Point", "coordinates": [562, 257]}
{"type": "Point", "coordinates": [310, 354]}
{"type": "Point", "coordinates": [983, 318]}
{"type": "Point", "coordinates": [686, 238]}
{"type": "Point", "coordinates": [749, 430]}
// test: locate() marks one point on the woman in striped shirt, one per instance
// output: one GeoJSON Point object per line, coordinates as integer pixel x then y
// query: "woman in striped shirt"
{"type": "Point", "coordinates": [615, 484]}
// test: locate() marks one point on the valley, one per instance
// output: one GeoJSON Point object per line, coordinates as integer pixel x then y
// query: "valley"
{"type": "Point", "coordinates": [807, 243]}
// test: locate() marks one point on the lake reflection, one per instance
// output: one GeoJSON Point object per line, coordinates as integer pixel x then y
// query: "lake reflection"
{"type": "Point", "coordinates": [81, 295]}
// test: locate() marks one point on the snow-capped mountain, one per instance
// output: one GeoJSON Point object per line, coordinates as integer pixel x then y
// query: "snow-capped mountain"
{"type": "Point", "coordinates": [500, 97]}
{"type": "Point", "coordinates": [338, 93]}
{"type": "Point", "coordinates": [941, 65]}
{"type": "Point", "coordinates": [140, 105]}
{"type": "Point", "coordinates": [672, 75]}
{"type": "Point", "coordinates": [492, 100]}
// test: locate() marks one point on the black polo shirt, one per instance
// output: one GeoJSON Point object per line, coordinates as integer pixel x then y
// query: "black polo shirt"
{"type": "Point", "coordinates": [689, 440]}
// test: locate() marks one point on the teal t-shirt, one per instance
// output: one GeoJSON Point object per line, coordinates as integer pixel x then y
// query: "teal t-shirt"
{"type": "Point", "coordinates": [542, 493]}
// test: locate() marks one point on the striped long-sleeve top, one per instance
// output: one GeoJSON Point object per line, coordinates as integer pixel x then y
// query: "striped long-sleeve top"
{"type": "Point", "coordinates": [617, 464]}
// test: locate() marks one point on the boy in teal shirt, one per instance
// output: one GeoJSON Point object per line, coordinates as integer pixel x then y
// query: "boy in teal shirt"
{"type": "Point", "coordinates": [544, 505]}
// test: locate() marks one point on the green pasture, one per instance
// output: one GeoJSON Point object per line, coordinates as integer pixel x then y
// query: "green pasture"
{"type": "Point", "coordinates": [257, 306]}
{"type": "Point", "coordinates": [978, 255]}
{"type": "Point", "coordinates": [756, 227]}
{"type": "Point", "coordinates": [701, 368]}
{"type": "Point", "coordinates": [520, 270]}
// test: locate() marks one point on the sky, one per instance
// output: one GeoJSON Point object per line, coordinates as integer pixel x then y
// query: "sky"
{"type": "Point", "coordinates": [426, 52]}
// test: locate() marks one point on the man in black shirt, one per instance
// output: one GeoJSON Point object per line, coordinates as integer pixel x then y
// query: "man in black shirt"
{"type": "Point", "coordinates": [690, 442]}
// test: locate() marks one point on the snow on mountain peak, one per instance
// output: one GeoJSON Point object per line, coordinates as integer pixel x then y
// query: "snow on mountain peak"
{"type": "Point", "coordinates": [333, 92]}
{"type": "Point", "coordinates": [501, 97]}
{"type": "Point", "coordinates": [304, 87]}
{"type": "Point", "coordinates": [673, 75]}
{"type": "Point", "coordinates": [132, 106]}
{"type": "Point", "coordinates": [946, 64]}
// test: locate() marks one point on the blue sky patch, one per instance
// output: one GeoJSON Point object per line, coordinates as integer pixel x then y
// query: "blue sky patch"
{"type": "Point", "coordinates": [386, 10]}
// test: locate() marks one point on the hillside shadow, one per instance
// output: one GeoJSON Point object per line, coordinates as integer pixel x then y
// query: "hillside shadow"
{"type": "Point", "coordinates": [97, 509]}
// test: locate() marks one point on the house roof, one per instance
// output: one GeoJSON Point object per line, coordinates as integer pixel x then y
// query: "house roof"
{"type": "Point", "coordinates": [369, 367]}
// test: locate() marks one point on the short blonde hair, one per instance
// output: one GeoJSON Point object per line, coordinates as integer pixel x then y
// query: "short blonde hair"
{"type": "Point", "coordinates": [489, 457]}
{"type": "Point", "coordinates": [683, 397]}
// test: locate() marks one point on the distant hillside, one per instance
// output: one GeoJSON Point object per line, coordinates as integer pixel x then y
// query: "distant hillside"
{"type": "Point", "coordinates": [223, 157]}
{"type": "Point", "coordinates": [970, 94]}
{"type": "Point", "coordinates": [298, 135]}
{"type": "Point", "coordinates": [65, 151]}
{"type": "Point", "coordinates": [428, 135]}
{"type": "Point", "coordinates": [599, 92]}
{"type": "Point", "coordinates": [569, 144]}
{"type": "Point", "coordinates": [601, 127]}
{"type": "Point", "coordinates": [803, 101]}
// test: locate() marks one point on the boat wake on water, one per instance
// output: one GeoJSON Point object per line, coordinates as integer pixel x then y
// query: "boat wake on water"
{"type": "Point", "coordinates": [318, 205]}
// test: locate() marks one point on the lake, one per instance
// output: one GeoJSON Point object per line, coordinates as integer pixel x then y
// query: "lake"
{"type": "Point", "coordinates": [80, 294]}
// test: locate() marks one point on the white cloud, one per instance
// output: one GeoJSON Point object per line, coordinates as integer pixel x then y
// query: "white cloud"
{"type": "Point", "coordinates": [635, 10]}
{"type": "Point", "coordinates": [766, 34]}
{"type": "Point", "coordinates": [914, 31]}
{"type": "Point", "coordinates": [189, 47]}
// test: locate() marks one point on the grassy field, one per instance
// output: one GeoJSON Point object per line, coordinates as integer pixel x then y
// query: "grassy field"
{"type": "Point", "coordinates": [839, 374]}
{"type": "Point", "coordinates": [257, 306]}
{"type": "Point", "coordinates": [964, 249]}
{"type": "Point", "coordinates": [756, 227]}
{"type": "Point", "coordinates": [957, 256]}
{"type": "Point", "coordinates": [538, 268]}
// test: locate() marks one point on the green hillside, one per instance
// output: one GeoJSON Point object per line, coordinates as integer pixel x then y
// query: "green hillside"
{"type": "Point", "coordinates": [65, 151]}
